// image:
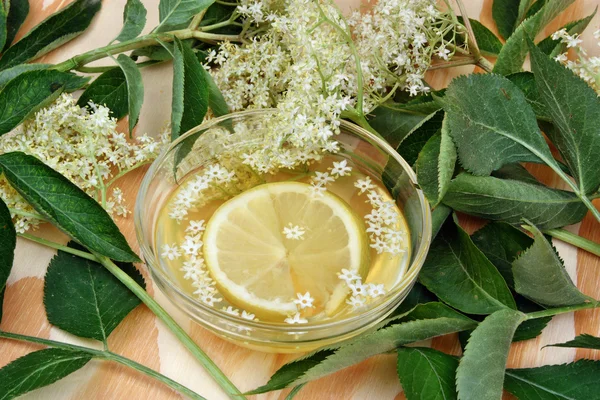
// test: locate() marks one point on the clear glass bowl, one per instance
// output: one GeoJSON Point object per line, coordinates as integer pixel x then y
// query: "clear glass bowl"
{"type": "Point", "coordinates": [199, 146]}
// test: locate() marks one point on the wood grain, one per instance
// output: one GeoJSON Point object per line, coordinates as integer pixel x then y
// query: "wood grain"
{"type": "Point", "coordinates": [144, 339]}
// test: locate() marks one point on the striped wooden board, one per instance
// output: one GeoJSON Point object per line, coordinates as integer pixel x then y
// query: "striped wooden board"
{"type": "Point", "coordinates": [144, 339]}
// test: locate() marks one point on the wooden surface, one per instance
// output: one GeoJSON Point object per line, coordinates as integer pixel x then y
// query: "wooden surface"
{"type": "Point", "coordinates": [144, 339]}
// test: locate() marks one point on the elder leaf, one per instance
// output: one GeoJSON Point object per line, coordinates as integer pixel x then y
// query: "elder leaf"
{"type": "Point", "coordinates": [461, 276]}
{"type": "Point", "coordinates": [514, 51]}
{"type": "Point", "coordinates": [574, 381]}
{"type": "Point", "coordinates": [435, 165]}
{"type": "Point", "coordinates": [541, 276]}
{"type": "Point", "coordinates": [135, 89]}
{"type": "Point", "coordinates": [54, 31]}
{"type": "Point", "coordinates": [108, 89]}
{"type": "Point", "coordinates": [492, 124]}
{"type": "Point", "coordinates": [423, 322]}
{"type": "Point", "coordinates": [426, 373]}
{"type": "Point", "coordinates": [510, 201]}
{"type": "Point", "coordinates": [410, 147]}
{"type": "Point", "coordinates": [38, 369]}
{"type": "Point", "coordinates": [4, 5]}
{"type": "Point", "coordinates": [8, 242]}
{"type": "Point", "coordinates": [516, 172]}
{"type": "Point", "coordinates": [65, 205]}
{"type": "Point", "coordinates": [480, 372]}
{"type": "Point", "coordinates": [584, 341]}
{"type": "Point", "coordinates": [17, 14]}
{"type": "Point", "coordinates": [505, 14]}
{"type": "Point", "coordinates": [525, 81]}
{"type": "Point", "coordinates": [30, 91]}
{"type": "Point", "coordinates": [396, 125]}
{"type": "Point", "coordinates": [172, 14]}
{"type": "Point", "coordinates": [575, 109]}
{"type": "Point", "coordinates": [9, 74]}
{"type": "Point", "coordinates": [216, 101]}
{"type": "Point", "coordinates": [553, 47]}
{"type": "Point", "coordinates": [134, 20]}
{"type": "Point", "coordinates": [76, 286]}
{"type": "Point", "coordinates": [438, 216]}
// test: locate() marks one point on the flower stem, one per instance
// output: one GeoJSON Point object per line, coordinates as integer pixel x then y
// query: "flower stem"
{"type": "Point", "coordinates": [183, 337]}
{"type": "Point", "coordinates": [57, 246]}
{"type": "Point", "coordinates": [484, 64]}
{"type": "Point", "coordinates": [197, 19]}
{"type": "Point", "coordinates": [99, 70]}
{"type": "Point", "coordinates": [360, 120]}
{"type": "Point", "coordinates": [108, 356]}
{"type": "Point", "coordinates": [27, 214]}
{"type": "Point", "coordinates": [571, 238]}
{"type": "Point", "coordinates": [125, 172]}
{"type": "Point", "coordinates": [562, 310]}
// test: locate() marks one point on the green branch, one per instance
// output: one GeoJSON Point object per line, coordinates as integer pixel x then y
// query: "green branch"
{"type": "Point", "coordinates": [107, 356]}
{"type": "Point", "coordinates": [571, 238]}
{"type": "Point", "coordinates": [562, 310]}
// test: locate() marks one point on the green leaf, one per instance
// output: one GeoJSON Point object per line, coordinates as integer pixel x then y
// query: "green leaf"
{"type": "Point", "coordinates": [575, 110]}
{"type": "Point", "coordinates": [426, 373]}
{"type": "Point", "coordinates": [435, 165]}
{"type": "Point", "coordinates": [492, 124]}
{"type": "Point", "coordinates": [584, 341]}
{"type": "Point", "coordinates": [410, 147]}
{"type": "Point", "coordinates": [488, 43]}
{"type": "Point", "coordinates": [8, 242]}
{"type": "Point", "coordinates": [216, 101]}
{"type": "Point", "coordinates": [3, 22]}
{"type": "Point", "coordinates": [39, 369]}
{"type": "Point", "coordinates": [134, 20]}
{"type": "Point", "coordinates": [502, 243]}
{"type": "Point", "coordinates": [51, 33]}
{"type": "Point", "coordinates": [505, 14]}
{"type": "Point", "coordinates": [396, 125]}
{"type": "Point", "coordinates": [423, 322]}
{"type": "Point", "coordinates": [575, 381]}
{"type": "Point", "coordinates": [190, 91]}
{"type": "Point", "coordinates": [461, 276]}
{"type": "Point", "coordinates": [534, 8]}
{"type": "Point", "coordinates": [525, 81]}
{"type": "Point", "coordinates": [9, 74]}
{"type": "Point", "coordinates": [531, 328]}
{"type": "Point", "coordinates": [511, 201]}
{"type": "Point", "coordinates": [417, 295]}
{"type": "Point", "coordinates": [135, 89]}
{"type": "Point", "coordinates": [156, 53]}
{"type": "Point", "coordinates": [76, 286]}
{"type": "Point", "coordinates": [516, 172]}
{"type": "Point", "coordinates": [175, 13]}
{"type": "Point", "coordinates": [65, 205]}
{"type": "Point", "coordinates": [17, 14]}
{"type": "Point", "coordinates": [30, 91]}
{"type": "Point", "coordinates": [480, 373]}
{"type": "Point", "coordinates": [109, 89]}
{"type": "Point", "coordinates": [541, 276]}
{"type": "Point", "coordinates": [514, 52]}
{"type": "Point", "coordinates": [553, 47]}
{"type": "Point", "coordinates": [438, 216]}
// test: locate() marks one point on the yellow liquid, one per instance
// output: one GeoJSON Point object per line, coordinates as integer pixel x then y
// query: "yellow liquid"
{"type": "Point", "coordinates": [382, 267]}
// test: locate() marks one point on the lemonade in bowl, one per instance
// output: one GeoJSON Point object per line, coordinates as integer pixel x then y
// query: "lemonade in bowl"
{"type": "Point", "coordinates": [284, 251]}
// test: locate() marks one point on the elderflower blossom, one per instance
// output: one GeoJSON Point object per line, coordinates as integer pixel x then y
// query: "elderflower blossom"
{"type": "Point", "coordinates": [293, 232]}
{"type": "Point", "coordinates": [304, 300]}
{"type": "Point", "coordinates": [83, 146]}
{"type": "Point", "coordinates": [584, 65]}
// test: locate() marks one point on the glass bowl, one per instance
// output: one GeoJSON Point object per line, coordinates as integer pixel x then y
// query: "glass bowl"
{"type": "Point", "coordinates": [199, 146]}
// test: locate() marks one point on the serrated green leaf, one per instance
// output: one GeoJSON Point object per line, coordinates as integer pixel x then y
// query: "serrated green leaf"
{"type": "Point", "coordinates": [438, 216]}
{"type": "Point", "coordinates": [109, 89]}
{"type": "Point", "coordinates": [541, 276]}
{"type": "Point", "coordinates": [480, 373]}
{"type": "Point", "coordinates": [417, 295]}
{"type": "Point", "coordinates": [525, 81]}
{"type": "Point", "coordinates": [9, 74]}
{"type": "Point", "coordinates": [51, 33]}
{"type": "Point", "coordinates": [426, 373]}
{"type": "Point", "coordinates": [76, 286]}
{"type": "Point", "coordinates": [461, 276]}
{"type": "Point", "coordinates": [134, 20]}
{"type": "Point", "coordinates": [575, 109]}
{"type": "Point", "coordinates": [534, 8]}
{"type": "Point", "coordinates": [531, 328]}
{"type": "Point", "coordinates": [492, 124]}
{"type": "Point", "coordinates": [516, 172]}
{"type": "Point", "coordinates": [511, 201]}
{"type": "Point", "coordinates": [8, 242]}
{"type": "Point", "coordinates": [395, 125]}
{"type": "Point", "coordinates": [584, 341]}
{"type": "Point", "coordinates": [435, 165]}
{"type": "Point", "coordinates": [216, 101]}
{"type": "Point", "coordinates": [524, 9]}
{"type": "Point", "coordinates": [17, 14]}
{"type": "Point", "coordinates": [39, 369]}
{"type": "Point", "coordinates": [505, 14]}
{"type": "Point", "coordinates": [553, 47]}
{"type": "Point", "coordinates": [514, 52]}
{"type": "Point", "coordinates": [190, 91]}
{"type": "Point", "coordinates": [175, 13]}
{"type": "Point", "coordinates": [575, 381]}
{"type": "Point", "coordinates": [135, 88]}
{"type": "Point", "coordinates": [30, 91]}
{"type": "Point", "coordinates": [410, 147]}
{"type": "Point", "coordinates": [488, 43]}
{"type": "Point", "coordinates": [423, 322]}
{"type": "Point", "coordinates": [3, 22]}
{"type": "Point", "coordinates": [65, 205]}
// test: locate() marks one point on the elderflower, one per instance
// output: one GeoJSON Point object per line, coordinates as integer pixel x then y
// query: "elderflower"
{"type": "Point", "coordinates": [81, 145]}
{"type": "Point", "coordinates": [587, 67]}
{"type": "Point", "coordinates": [293, 232]}
{"type": "Point", "coordinates": [171, 252]}
{"type": "Point", "coordinates": [296, 319]}
{"type": "Point", "coordinates": [304, 300]}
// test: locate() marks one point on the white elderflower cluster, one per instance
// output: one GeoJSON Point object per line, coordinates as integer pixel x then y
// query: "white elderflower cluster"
{"type": "Point", "coordinates": [587, 67]}
{"type": "Point", "coordinates": [361, 293]}
{"type": "Point", "coordinates": [316, 67]}
{"type": "Point", "coordinates": [83, 146]}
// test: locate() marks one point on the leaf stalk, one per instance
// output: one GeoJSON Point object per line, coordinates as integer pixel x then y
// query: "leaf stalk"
{"type": "Point", "coordinates": [571, 238]}
{"type": "Point", "coordinates": [562, 310]}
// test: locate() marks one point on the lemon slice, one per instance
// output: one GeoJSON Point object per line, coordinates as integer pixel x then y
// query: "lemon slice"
{"type": "Point", "coordinates": [256, 267]}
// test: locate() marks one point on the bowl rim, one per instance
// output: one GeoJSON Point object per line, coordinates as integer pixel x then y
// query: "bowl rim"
{"type": "Point", "coordinates": [149, 256]}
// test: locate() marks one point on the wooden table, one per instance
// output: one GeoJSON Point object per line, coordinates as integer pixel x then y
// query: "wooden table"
{"type": "Point", "coordinates": [144, 339]}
